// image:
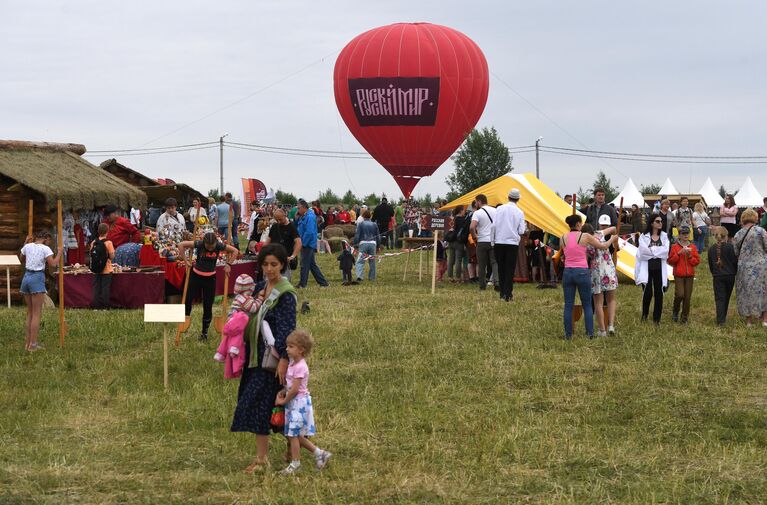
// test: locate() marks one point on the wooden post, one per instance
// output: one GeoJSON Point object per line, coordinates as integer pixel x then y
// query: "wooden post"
{"type": "Point", "coordinates": [420, 264]}
{"type": "Point", "coordinates": [165, 314]}
{"type": "Point", "coordinates": [434, 266]}
{"type": "Point", "coordinates": [31, 217]}
{"type": "Point", "coordinates": [618, 232]}
{"type": "Point", "coordinates": [407, 258]}
{"type": "Point", "coordinates": [165, 355]}
{"type": "Point", "coordinates": [62, 322]}
{"type": "Point", "coordinates": [8, 284]}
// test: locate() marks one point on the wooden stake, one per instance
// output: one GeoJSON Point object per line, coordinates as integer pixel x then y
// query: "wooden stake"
{"type": "Point", "coordinates": [62, 322]}
{"type": "Point", "coordinates": [8, 284]}
{"type": "Point", "coordinates": [407, 260]}
{"type": "Point", "coordinates": [165, 355]}
{"type": "Point", "coordinates": [618, 232]}
{"type": "Point", "coordinates": [434, 266]}
{"type": "Point", "coordinates": [420, 264]}
{"type": "Point", "coordinates": [31, 217]}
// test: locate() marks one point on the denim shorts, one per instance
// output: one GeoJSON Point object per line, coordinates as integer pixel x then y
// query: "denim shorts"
{"type": "Point", "coordinates": [33, 282]}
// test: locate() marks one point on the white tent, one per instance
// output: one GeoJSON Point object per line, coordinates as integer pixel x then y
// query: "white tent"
{"type": "Point", "coordinates": [668, 189]}
{"type": "Point", "coordinates": [748, 195]}
{"type": "Point", "coordinates": [631, 196]}
{"type": "Point", "coordinates": [710, 194]}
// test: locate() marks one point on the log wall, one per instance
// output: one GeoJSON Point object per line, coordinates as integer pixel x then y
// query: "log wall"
{"type": "Point", "coordinates": [14, 214]}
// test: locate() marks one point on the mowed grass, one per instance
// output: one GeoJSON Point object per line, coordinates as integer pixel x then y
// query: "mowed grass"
{"type": "Point", "coordinates": [453, 398]}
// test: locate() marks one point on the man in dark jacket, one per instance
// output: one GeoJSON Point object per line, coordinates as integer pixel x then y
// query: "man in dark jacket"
{"type": "Point", "coordinates": [600, 208]}
{"type": "Point", "coordinates": [382, 215]}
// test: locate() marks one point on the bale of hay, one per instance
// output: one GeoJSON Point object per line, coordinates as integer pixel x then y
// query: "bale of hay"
{"type": "Point", "coordinates": [349, 230]}
{"type": "Point", "coordinates": [336, 244]}
{"type": "Point", "coordinates": [334, 231]}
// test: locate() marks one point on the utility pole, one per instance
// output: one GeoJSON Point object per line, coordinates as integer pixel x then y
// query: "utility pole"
{"type": "Point", "coordinates": [537, 160]}
{"type": "Point", "coordinates": [221, 162]}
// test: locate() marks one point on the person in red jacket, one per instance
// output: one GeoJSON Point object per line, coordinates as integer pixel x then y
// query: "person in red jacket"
{"type": "Point", "coordinates": [684, 258]}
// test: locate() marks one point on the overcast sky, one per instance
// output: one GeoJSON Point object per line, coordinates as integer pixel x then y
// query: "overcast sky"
{"type": "Point", "coordinates": [684, 77]}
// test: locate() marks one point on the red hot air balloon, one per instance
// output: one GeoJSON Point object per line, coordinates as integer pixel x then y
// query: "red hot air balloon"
{"type": "Point", "coordinates": [410, 93]}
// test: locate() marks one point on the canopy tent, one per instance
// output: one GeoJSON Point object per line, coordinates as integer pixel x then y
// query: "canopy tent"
{"type": "Point", "coordinates": [748, 195]}
{"type": "Point", "coordinates": [631, 196]}
{"type": "Point", "coordinates": [710, 194]}
{"type": "Point", "coordinates": [542, 207]}
{"type": "Point", "coordinates": [668, 189]}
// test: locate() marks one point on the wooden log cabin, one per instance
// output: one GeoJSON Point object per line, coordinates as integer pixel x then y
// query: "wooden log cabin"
{"type": "Point", "coordinates": [45, 173]}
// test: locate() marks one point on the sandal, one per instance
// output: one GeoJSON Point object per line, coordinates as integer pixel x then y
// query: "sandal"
{"type": "Point", "coordinates": [257, 467]}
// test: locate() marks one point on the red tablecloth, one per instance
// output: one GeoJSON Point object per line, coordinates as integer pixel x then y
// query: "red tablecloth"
{"type": "Point", "coordinates": [130, 290]}
{"type": "Point", "coordinates": [174, 273]}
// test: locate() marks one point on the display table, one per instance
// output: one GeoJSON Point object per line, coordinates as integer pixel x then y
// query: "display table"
{"type": "Point", "coordinates": [174, 273]}
{"type": "Point", "coordinates": [130, 290]}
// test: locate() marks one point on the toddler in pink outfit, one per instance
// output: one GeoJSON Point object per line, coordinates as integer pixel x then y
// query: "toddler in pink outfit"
{"type": "Point", "coordinates": [231, 350]}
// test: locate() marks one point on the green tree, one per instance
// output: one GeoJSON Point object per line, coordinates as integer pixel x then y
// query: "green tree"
{"type": "Point", "coordinates": [349, 199]}
{"type": "Point", "coordinates": [328, 197]}
{"type": "Point", "coordinates": [286, 198]}
{"type": "Point", "coordinates": [425, 201]}
{"type": "Point", "coordinates": [371, 200]}
{"type": "Point", "coordinates": [649, 189]}
{"type": "Point", "coordinates": [213, 193]}
{"type": "Point", "coordinates": [603, 182]}
{"type": "Point", "coordinates": [480, 159]}
{"type": "Point", "coordinates": [583, 196]}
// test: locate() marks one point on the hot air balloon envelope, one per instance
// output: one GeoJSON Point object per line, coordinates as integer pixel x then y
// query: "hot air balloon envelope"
{"type": "Point", "coordinates": [410, 93]}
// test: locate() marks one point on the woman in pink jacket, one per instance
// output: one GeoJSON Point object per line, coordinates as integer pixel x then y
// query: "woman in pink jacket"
{"type": "Point", "coordinates": [728, 213]}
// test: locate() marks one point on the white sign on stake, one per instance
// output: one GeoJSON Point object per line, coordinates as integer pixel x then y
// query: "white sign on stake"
{"type": "Point", "coordinates": [8, 261]}
{"type": "Point", "coordinates": [164, 313]}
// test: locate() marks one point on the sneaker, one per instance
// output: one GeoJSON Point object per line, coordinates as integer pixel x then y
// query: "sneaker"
{"type": "Point", "coordinates": [611, 330]}
{"type": "Point", "coordinates": [322, 459]}
{"type": "Point", "coordinates": [292, 468]}
{"type": "Point", "coordinates": [601, 333]}
{"type": "Point", "coordinates": [675, 316]}
{"type": "Point", "coordinates": [203, 337]}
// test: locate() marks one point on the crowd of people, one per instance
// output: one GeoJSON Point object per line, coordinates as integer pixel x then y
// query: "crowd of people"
{"type": "Point", "coordinates": [262, 346]}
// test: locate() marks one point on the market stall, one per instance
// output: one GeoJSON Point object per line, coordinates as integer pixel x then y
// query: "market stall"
{"type": "Point", "coordinates": [130, 290]}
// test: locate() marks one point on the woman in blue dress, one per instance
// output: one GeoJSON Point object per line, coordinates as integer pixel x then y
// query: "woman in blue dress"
{"type": "Point", "coordinates": [258, 386]}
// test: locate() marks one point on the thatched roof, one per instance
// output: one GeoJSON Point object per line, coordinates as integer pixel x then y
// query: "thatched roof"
{"type": "Point", "coordinates": [128, 175]}
{"type": "Point", "coordinates": [61, 174]}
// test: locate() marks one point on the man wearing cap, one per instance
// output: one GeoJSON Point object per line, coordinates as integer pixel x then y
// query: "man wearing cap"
{"type": "Point", "coordinates": [509, 228]}
{"type": "Point", "coordinates": [600, 208]}
{"type": "Point", "coordinates": [171, 220]}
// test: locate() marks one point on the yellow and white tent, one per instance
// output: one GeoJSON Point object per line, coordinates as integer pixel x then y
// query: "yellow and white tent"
{"type": "Point", "coordinates": [542, 207]}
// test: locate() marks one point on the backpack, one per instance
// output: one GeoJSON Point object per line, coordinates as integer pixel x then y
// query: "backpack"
{"type": "Point", "coordinates": [98, 256]}
{"type": "Point", "coordinates": [462, 235]}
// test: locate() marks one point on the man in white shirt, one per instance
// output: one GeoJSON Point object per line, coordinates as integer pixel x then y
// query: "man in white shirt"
{"type": "Point", "coordinates": [481, 229]}
{"type": "Point", "coordinates": [509, 228]}
{"type": "Point", "coordinates": [171, 220]}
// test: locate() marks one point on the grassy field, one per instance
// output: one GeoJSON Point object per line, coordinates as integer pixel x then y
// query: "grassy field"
{"type": "Point", "coordinates": [453, 398]}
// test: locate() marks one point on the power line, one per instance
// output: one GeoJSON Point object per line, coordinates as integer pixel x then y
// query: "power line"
{"type": "Point", "coordinates": [294, 153]}
{"type": "Point", "coordinates": [685, 156]}
{"type": "Point", "coordinates": [650, 160]}
{"type": "Point", "coordinates": [148, 153]}
{"type": "Point", "coordinates": [149, 149]}
{"type": "Point", "coordinates": [239, 101]}
{"type": "Point", "coordinates": [562, 128]}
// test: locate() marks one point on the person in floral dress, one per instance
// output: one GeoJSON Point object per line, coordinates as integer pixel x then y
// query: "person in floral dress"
{"type": "Point", "coordinates": [604, 278]}
{"type": "Point", "coordinates": [750, 244]}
